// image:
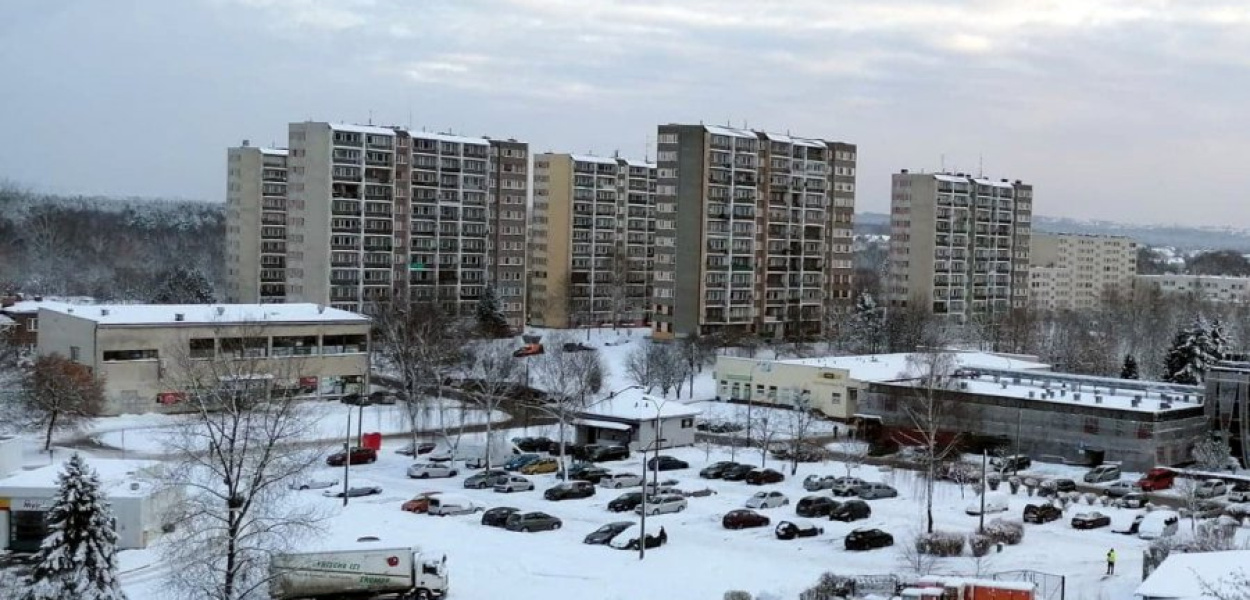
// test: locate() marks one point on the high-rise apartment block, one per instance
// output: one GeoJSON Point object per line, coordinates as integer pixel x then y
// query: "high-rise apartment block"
{"type": "Point", "coordinates": [753, 232]}
{"type": "Point", "coordinates": [959, 245]}
{"type": "Point", "coordinates": [591, 254]}
{"type": "Point", "coordinates": [256, 224]}
{"type": "Point", "coordinates": [1071, 271]}
{"type": "Point", "coordinates": [376, 214]}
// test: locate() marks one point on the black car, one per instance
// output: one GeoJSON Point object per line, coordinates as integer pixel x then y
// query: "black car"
{"type": "Point", "coordinates": [625, 502]}
{"type": "Point", "coordinates": [532, 444]}
{"type": "Point", "coordinates": [587, 472]}
{"type": "Point", "coordinates": [570, 490]}
{"type": "Point", "coordinates": [1043, 513]}
{"type": "Point", "coordinates": [1013, 463]}
{"type": "Point", "coordinates": [603, 535]}
{"type": "Point", "coordinates": [764, 477]}
{"type": "Point", "coordinates": [667, 463]}
{"type": "Point", "coordinates": [868, 539]}
{"type": "Point", "coordinates": [788, 530]}
{"type": "Point", "coordinates": [577, 347]}
{"type": "Point", "coordinates": [1051, 487]}
{"type": "Point", "coordinates": [736, 473]}
{"type": "Point", "coordinates": [851, 510]}
{"type": "Point", "coordinates": [1090, 520]}
{"type": "Point", "coordinates": [716, 469]}
{"type": "Point", "coordinates": [607, 453]}
{"type": "Point", "coordinates": [570, 449]}
{"type": "Point", "coordinates": [815, 506]}
{"type": "Point", "coordinates": [498, 517]}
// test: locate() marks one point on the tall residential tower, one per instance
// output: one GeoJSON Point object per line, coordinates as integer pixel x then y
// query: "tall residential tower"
{"type": "Point", "coordinates": [256, 224]}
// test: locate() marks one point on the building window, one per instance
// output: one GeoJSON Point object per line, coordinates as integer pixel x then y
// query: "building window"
{"type": "Point", "coordinates": [344, 344]}
{"type": "Point", "coordinates": [32, 324]}
{"type": "Point", "coordinates": [295, 345]}
{"type": "Point", "coordinates": [120, 355]}
{"type": "Point", "coordinates": [75, 352]}
{"type": "Point", "coordinates": [687, 423]}
{"type": "Point", "coordinates": [202, 348]}
{"type": "Point", "coordinates": [244, 347]}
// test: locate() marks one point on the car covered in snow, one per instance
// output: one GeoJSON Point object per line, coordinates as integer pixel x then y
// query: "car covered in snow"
{"type": "Point", "coordinates": [432, 469]}
{"type": "Point", "coordinates": [993, 503]}
{"type": "Point", "coordinates": [355, 492]}
{"type": "Point", "coordinates": [788, 530]}
{"type": "Point", "coordinates": [620, 480]}
{"type": "Point", "coordinates": [767, 499]}
{"type": "Point", "coordinates": [662, 504]}
{"type": "Point", "coordinates": [847, 486]}
{"type": "Point", "coordinates": [312, 483]}
{"type": "Point", "coordinates": [815, 483]}
{"type": "Point", "coordinates": [1041, 513]}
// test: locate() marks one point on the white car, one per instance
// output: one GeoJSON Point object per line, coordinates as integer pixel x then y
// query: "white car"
{"type": "Point", "coordinates": [312, 484]}
{"type": "Point", "coordinates": [994, 503]}
{"type": "Point", "coordinates": [513, 483]}
{"type": "Point", "coordinates": [847, 486]}
{"type": "Point", "coordinates": [1211, 488]}
{"type": "Point", "coordinates": [771, 499]}
{"type": "Point", "coordinates": [1239, 493]}
{"type": "Point", "coordinates": [663, 504]}
{"type": "Point", "coordinates": [617, 481]}
{"type": "Point", "coordinates": [432, 469]}
{"type": "Point", "coordinates": [668, 486]}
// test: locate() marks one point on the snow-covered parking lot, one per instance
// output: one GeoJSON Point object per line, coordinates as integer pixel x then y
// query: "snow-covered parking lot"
{"type": "Point", "coordinates": [702, 559]}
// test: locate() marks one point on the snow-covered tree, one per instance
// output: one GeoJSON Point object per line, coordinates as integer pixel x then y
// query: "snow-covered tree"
{"type": "Point", "coordinates": [1191, 353]}
{"type": "Point", "coordinates": [865, 329]}
{"type": "Point", "coordinates": [1211, 453]}
{"type": "Point", "coordinates": [1129, 370]}
{"type": "Point", "coordinates": [181, 285]}
{"type": "Point", "coordinates": [1220, 340]}
{"type": "Point", "coordinates": [78, 558]}
{"type": "Point", "coordinates": [491, 321]}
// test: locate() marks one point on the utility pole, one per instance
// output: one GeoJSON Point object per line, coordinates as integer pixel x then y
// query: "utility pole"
{"type": "Point", "coordinates": [984, 457]}
{"type": "Point", "coordinates": [347, 455]}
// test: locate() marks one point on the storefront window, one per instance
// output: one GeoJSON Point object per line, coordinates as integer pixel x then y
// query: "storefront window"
{"type": "Point", "coordinates": [27, 530]}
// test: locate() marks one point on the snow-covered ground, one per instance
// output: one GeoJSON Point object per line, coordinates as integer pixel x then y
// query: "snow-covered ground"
{"type": "Point", "coordinates": [702, 560]}
{"type": "Point", "coordinates": [779, 419]}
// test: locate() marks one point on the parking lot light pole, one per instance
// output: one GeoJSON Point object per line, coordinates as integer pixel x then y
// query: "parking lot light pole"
{"type": "Point", "coordinates": [347, 455]}
{"type": "Point", "coordinates": [642, 524]}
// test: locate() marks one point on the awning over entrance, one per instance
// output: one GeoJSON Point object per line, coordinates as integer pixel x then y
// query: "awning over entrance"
{"type": "Point", "coordinates": [601, 424]}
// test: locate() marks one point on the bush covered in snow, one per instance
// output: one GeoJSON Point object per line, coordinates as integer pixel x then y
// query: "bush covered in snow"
{"type": "Point", "coordinates": [1005, 532]}
{"type": "Point", "coordinates": [737, 595]}
{"type": "Point", "coordinates": [979, 544]}
{"type": "Point", "coordinates": [940, 543]}
{"type": "Point", "coordinates": [829, 587]}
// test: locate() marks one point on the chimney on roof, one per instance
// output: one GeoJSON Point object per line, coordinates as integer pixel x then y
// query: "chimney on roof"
{"type": "Point", "coordinates": [904, 171]}
{"type": "Point", "coordinates": [247, 143]}
{"type": "Point", "coordinates": [179, 317]}
{"type": "Point", "coordinates": [221, 310]}
{"type": "Point", "coordinates": [1003, 180]}
{"type": "Point", "coordinates": [1018, 182]}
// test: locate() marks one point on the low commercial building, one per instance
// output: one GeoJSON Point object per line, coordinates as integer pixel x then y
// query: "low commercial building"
{"type": "Point", "coordinates": [19, 317]}
{"type": "Point", "coordinates": [140, 504]}
{"type": "Point", "coordinates": [1207, 288]}
{"type": "Point", "coordinates": [832, 384]}
{"type": "Point", "coordinates": [151, 355]}
{"type": "Point", "coordinates": [636, 420]}
{"type": "Point", "coordinates": [1140, 424]}
{"type": "Point", "coordinates": [1228, 402]}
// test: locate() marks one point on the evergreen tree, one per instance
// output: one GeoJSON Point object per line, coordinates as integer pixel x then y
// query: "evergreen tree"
{"type": "Point", "coordinates": [1191, 352]}
{"type": "Point", "coordinates": [490, 319]}
{"type": "Point", "coordinates": [1220, 340]}
{"type": "Point", "coordinates": [78, 558]}
{"type": "Point", "coordinates": [1129, 370]}
{"type": "Point", "coordinates": [181, 285]}
{"type": "Point", "coordinates": [866, 327]}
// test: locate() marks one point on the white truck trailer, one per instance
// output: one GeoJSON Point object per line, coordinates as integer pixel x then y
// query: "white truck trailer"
{"type": "Point", "coordinates": [367, 570]}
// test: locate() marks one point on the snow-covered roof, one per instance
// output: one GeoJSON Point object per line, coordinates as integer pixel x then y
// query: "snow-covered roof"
{"type": "Point", "coordinates": [730, 131]}
{"type": "Point", "coordinates": [448, 137]}
{"type": "Point", "coordinates": [199, 314]}
{"type": "Point", "coordinates": [116, 477]}
{"type": "Point", "coordinates": [274, 151]}
{"type": "Point", "coordinates": [633, 162]}
{"type": "Point", "coordinates": [950, 178]}
{"type": "Point", "coordinates": [809, 142]}
{"type": "Point", "coordinates": [590, 158]}
{"type": "Point", "coordinates": [1197, 576]}
{"type": "Point", "coordinates": [6, 322]}
{"type": "Point", "coordinates": [634, 405]}
{"type": "Point", "coordinates": [992, 183]}
{"type": "Point", "coordinates": [887, 367]}
{"type": "Point", "coordinates": [371, 129]}
{"type": "Point", "coordinates": [33, 306]}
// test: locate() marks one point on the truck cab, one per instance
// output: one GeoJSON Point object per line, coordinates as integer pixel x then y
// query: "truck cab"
{"type": "Point", "coordinates": [432, 581]}
{"type": "Point", "coordinates": [1157, 479]}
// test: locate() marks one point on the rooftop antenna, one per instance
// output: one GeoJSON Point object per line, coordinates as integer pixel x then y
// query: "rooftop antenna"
{"type": "Point", "coordinates": [410, 116]}
{"type": "Point", "coordinates": [646, 150]}
{"type": "Point", "coordinates": [980, 165]}
{"type": "Point", "coordinates": [942, 160]}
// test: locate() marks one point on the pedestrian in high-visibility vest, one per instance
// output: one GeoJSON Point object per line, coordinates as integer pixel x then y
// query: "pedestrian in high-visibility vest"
{"type": "Point", "coordinates": [1111, 561]}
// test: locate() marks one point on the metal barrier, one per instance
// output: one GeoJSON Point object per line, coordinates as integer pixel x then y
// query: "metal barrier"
{"type": "Point", "coordinates": [1049, 586]}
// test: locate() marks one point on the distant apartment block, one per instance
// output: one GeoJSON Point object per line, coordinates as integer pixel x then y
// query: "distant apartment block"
{"type": "Point", "coordinates": [753, 232]}
{"type": "Point", "coordinates": [1207, 288]}
{"type": "Point", "coordinates": [256, 224]}
{"type": "Point", "coordinates": [1072, 271]}
{"type": "Point", "coordinates": [377, 214]}
{"type": "Point", "coordinates": [591, 246]}
{"type": "Point", "coordinates": [959, 245]}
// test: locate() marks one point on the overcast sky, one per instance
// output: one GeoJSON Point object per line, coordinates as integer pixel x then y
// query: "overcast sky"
{"type": "Point", "coordinates": [1131, 110]}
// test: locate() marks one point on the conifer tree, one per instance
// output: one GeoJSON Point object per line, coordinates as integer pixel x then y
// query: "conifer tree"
{"type": "Point", "coordinates": [1129, 370]}
{"type": "Point", "coordinates": [490, 319]}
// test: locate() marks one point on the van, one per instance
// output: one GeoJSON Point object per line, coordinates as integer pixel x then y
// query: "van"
{"type": "Point", "coordinates": [1156, 479]}
{"type": "Point", "coordinates": [451, 504]}
{"type": "Point", "coordinates": [1157, 524]}
{"type": "Point", "coordinates": [1102, 474]}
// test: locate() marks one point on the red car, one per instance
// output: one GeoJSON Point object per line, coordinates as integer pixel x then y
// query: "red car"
{"type": "Point", "coordinates": [740, 519]}
{"type": "Point", "coordinates": [358, 456]}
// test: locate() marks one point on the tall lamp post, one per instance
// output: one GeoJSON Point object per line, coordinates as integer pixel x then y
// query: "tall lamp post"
{"type": "Point", "coordinates": [658, 439]}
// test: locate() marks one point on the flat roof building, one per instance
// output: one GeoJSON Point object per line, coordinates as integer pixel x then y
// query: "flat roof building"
{"type": "Point", "coordinates": [1073, 271]}
{"type": "Point", "coordinates": [636, 420]}
{"type": "Point", "coordinates": [148, 355]}
{"type": "Point", "coordinates": [1205, 288]}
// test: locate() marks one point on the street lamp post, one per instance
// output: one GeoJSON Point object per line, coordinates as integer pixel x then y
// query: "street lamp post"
{"type": "Point", "coordinates": [655, 471]}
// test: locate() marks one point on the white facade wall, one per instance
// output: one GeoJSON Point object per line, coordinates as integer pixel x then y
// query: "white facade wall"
{"type": "Point", "coordinates": [1229, 290]}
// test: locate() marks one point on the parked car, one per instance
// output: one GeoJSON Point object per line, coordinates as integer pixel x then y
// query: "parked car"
{"type": "Point", "coordinates": [570, 449]}
{"type": "Point", "coordinates": [1133, 500]}
{"type": "Point", "coordinates": [354, 399]}
{"type": "Point", "coordinates": [1203, 509]}
{"type": "Point", "coordinates": [513, 483]}
{"type": "Point", "coordinates": [603, 535]}
{"type": "Point", "coordinates": [664, 487]}
{"type": "Point", "coordinates": [815, 506]}
{"type": "Point", "coordinates": [1120, 488]}
{"type": "Point", "coordinates": [570, 490]}
{"type": "Point", "coordinates": [764, 477]}
{"type": "Point", "coordinates": [663, 504]}
{"type": "Point", "coordinates": [432, 469]}
{"type": "Point", "coordinates": [1041, 513]}
{"type": "Point", "coordinates": [716, 469]}
{"type": "Point", "coordinates": [815, 483]}
{"type": "Point", "coordinates": [528, 350]}
{"type": "Point", "coordinates": [1012, 463]}
{"type": "Point", "coordinates": [993, 503]}
{"type": "Point", "coordinates": [666, 463]}
{"type": "Point", "coordinates": [620, 480]}
{"type": "Point", "coordinates": [736, 473]}
{"type": "Point", "coordinates": [872, 491]}
{"type": "Point", "coordinates": [771, 499]}
{"type": "Point", "coordinates": [741, 518]}
{"type": "Point", "coordinates": [703, 493]}
{"type": "Point", "coordinates": [1211, 488]}
{"type": "Point", "coordinates": [1102, 474]}
{"type": "Point", "coordinates": [867, 539]}
{"type": "Point", "coordinates": [485, 479]}
{"type": "Point", "coordinates": [1051, 487]}
{"type": "Point", "coordinates": [532, 444]}
{"type": "Point", "coordinates": [1090, 520]}
{"type": "Point", "coordinates": [1239, 493]}
{"type": "Point", "coordinates": [384, 398]}
{"type": "Point", "coordinates": [540, 467]}
{"type": "Point", "coordinates": [587, 472]}
{"type": "Point", "coordinates": [533, 521]}
{"type": "Point", "coordinates": [847, 486]}
{"type": "Point", "coordinates": [516, 462]}
{"type": "Point", "coordinates": [1158, 524]}
{"type": "Point", "coordinates": [356, 492]}
{"type": "Point", "coordinates": [451, 504]}
{"type": "Point", "coordinates": [788, 530]}
{"type": "Point", "coordinates": [629, 540]}
{"type": "Point", "coordinates": [577, 347]}
{"type": "Point", "coordinates": [1156, 479]}
{"type": "Point", "coordinates": [358, 456]}
{"type": "Point", "coordinates": [625, 502]}
{"type": "Point", "coordinates": [312, 484]}
{"type": "Point", "coordinates": [498, 516]}
{"type": "Point", "coordinates": [851, 510]}
{"type": "Point", "coordinates": [419, 503]}
{"type": "Point", "coordinates": [411, 449]}
{"type": "Point", "coordinates": [607, 453]}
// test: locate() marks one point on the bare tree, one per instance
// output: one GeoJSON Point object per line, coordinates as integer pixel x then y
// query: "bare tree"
{"type": "Point", "coordinates": [60, 395]}
{"type": "Point", "coordinates": [764, 429]}
{"type": "Point", "coordinates": [236, 453]}
{"type": "Point", "coordinates": [851, 452]}
{"type": "Point", "coordinates": [670, 367]}
{"type": "Point", "coordinates": [567, 377]}
{"type": "Point", "coordinates": [642, 364]}
{"type": "Point", "coordinates": [912, 558]}
{"type": "Point", "coordinates": [499, 374]}
{"type": "Point", "coordinates": [1234, 586]}
{"type": "Point", "coordinates": [798, 425]}
{"type": "Point", "coordinates": [930, 416]}
{"type": "Point", "coordinates": [621, 304]}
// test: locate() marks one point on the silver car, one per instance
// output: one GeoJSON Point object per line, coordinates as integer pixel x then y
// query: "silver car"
{"type": "Point", "coordinates": [663, 504]}
{"type": "Point", "coordinates": [513, 483]}
{"type": "Point", "coordinates": [846, 486]}
{"type": "Point", "coordinates": [872, 491]}
{"type": "Point", "coordinates": [815, 483]}
{"type": "Point", "coordinates": [771, 499]}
